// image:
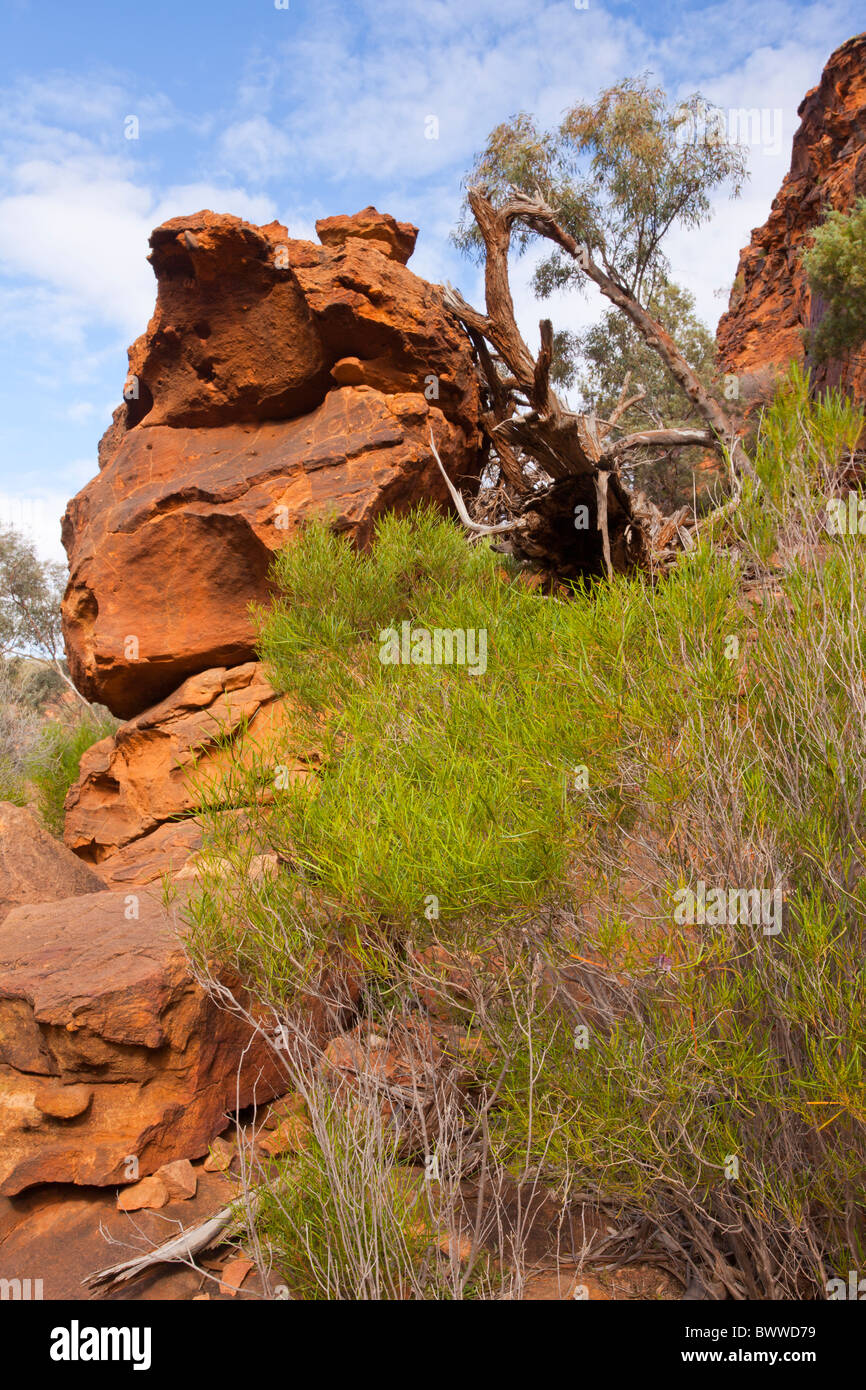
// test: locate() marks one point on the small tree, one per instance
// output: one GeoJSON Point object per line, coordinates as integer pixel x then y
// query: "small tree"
{"type": "Point", "coordinates": [598, 361]}
{"type": "Point", "coordinates": [605, 189]}
{"type": "Point", "coordinates": [617, 175]}
{"type": "Point", "coordinates": [836, 267]}
{"type": "Point", "coordinates": [30, 594]}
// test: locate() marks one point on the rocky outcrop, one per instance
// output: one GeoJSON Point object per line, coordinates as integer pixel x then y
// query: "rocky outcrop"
{"type": "Point", "coordinates": [166, 850]}
{"type": "Point", "coordinates": [392, 238]}
{"type": "Point", "coordinates": [112, 1059]}
{"type": "Point", "coordinates": [771, 304]}
{"type": "Point", "coordinates": [33, 866]}
{"type": "Point", "coordinates": [59, 1236]}
{"type": "Point", "coordinates": [277, 381]}
{"type": "Point", "coordinates": [172, 541]}
{"type": "Point", "coordinates": [131, 813]}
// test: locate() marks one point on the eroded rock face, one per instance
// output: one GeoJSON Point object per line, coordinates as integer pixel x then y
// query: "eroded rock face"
{"type": "Point", "coordinates": [172, 541]}
{"type": "Point", "coordinates": [277, 381]}
{"type": "Point", "coordinates": [62, 1235]}
{"type": "Point", "coordinates": [108, 1049]}
{"type": "Point", "coordinates": [392, 238]}
{"type": "Point", "coordinates": [147, 859]}
{"type": "Point", "coordinates": [34, 867]}
{"type": "Point", "coordinates": [771, 303]}
{"type": "Point", "coordinates": [231, 337]}
{"type": "Point", "coordinates": [131, 813]}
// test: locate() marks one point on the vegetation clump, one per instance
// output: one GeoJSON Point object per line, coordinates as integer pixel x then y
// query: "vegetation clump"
{"type": "Point", "coordinates": [618, 874]}
{"type": "Point", "coordinates": [45, 724]}
{"type": "Point", "coordinates": [836, 266]}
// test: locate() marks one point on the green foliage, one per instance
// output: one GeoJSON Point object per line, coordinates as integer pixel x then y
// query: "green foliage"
{"type": "Point", "coordinates": [36, 756]}
{"type": "Point", "coordinates": [19, 726]}
{"type": "Point", "coordinates": [836, 267]}
{"type": "Point", "coordinates": [613, 347]}
{"type": "Point", "coordinates": [340, 1228]}
{"type": "Point", "coordinates": [13, 785]}
{"type": "Point", "coordinates": [598, 360]}
{"type": "Point", "coordinates": [618, 173]}
{"type": "Point", "coordinates": [53, 762]}
{"type": "Point", "coordinates": [30, 593]}
{"type": "Point", "coordinates": [619, 747]}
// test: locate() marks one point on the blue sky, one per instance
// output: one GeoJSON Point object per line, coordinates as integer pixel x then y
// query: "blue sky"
{"type": "Point", "coordinates": [297, 113]}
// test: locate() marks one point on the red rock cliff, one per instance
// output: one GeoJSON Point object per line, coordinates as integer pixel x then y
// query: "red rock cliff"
{"type": "Point", "coordinates": [771, 302]}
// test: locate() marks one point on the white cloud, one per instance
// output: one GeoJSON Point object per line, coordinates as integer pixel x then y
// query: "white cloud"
{"type": "Point", "coordinates": [352, 98]}
{"type": "Point", "coordinates": [79, 236]}
{"type": "Point", "coordinates": [81, 411]}
{"type": "Point", "coordinates": [38, 514]}
{"type": "Point", "coordinates": [81, 233]}
{"type": "Point", "coordinates": [349, 100]}
{"type": "Point", "coordinates": [255, 148]}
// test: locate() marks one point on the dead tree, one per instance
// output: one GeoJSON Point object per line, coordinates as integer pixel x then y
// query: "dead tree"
{"type": "Point", "coordinates": [570, 512]}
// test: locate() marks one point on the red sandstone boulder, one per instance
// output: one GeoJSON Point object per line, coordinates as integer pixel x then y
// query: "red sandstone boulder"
{"type": "Point", "coordinates": [148, 858]}
{"type": "Point", "coordinates": [771, 303]}
{"type": "Point", "coordinates": [172, 541]}
{"type": "Point", "coordinates": [277, 381]}
{"type": "Point", "coordinates": [231, 337]}
{"type": "Point", "coordinates": [129, 815]}
{"type": "Point", "coordinates": [368, 306]}
{"type": "Point", "coordinates": [108, 1049]}
{"type": "Point", "coordinates": [34, 867]}
{"type": "Point", "coordinates": [60, 1236]}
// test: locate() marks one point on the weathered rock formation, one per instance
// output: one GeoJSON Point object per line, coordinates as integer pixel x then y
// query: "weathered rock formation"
{"type": "Point", "coordinates": [277, 381]}
{"type": "Point", "coordinates": [33, 866]}
{"type": "Point", "coordinates": [771, 304]}
{"type": "Point", "coordinates": [131, 813]}
{"type": "Point", "coordinates": [108, 1049]}
{"type": "Point", "coordinates": [392, 238]}
{"type": "Point", "coordinates": [60, 1236]}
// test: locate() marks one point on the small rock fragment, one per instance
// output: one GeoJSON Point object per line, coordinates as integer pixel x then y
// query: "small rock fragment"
{"type": "Point", "coordinates": [180, 1179]}
{"type": "Point", "coordinates": [147, 1195]}
{"type": "Point", "coordinates": [219, 1157]}
{"type": "Point", "coordinates": [293, 1104]}
{"type": "Point", "coordinates": [233, 1275]}
{"type": "Point", "coordinates": [64, 1102]}
{"type": "Point", "coordinates": [291, 1135]}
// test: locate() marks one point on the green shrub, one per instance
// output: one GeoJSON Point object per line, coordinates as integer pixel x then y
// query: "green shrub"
{"type": "Point", "coordinates": [836, 267]}
{"type": "Point", "coordinates": [538, 820]}
{"type": "Point", "coordinates": [12, 786]}
{"type": "Point", "coordinates": [19, 727]}
{"type": "Point", "coordinates": [53, 762]}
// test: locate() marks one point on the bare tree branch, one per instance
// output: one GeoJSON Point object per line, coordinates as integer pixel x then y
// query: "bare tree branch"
{"type": "Point", "coordinates": [537, 215]}
{"type": "Point", "coordinates": [668, 439]}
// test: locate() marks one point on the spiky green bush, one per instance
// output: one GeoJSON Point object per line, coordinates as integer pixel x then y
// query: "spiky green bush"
{"type": "Point", "coordinates": [836, 266]}
{"type": "Point", "coordinates": [53, 761]}
{"type": "Point", "coordinates": [621, 745]}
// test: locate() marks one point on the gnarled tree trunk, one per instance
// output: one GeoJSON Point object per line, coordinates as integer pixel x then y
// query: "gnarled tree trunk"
{"type": "Point", "coordinates": [571, 512]}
